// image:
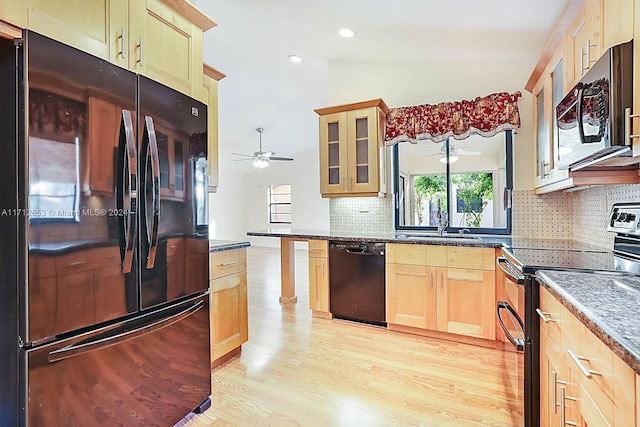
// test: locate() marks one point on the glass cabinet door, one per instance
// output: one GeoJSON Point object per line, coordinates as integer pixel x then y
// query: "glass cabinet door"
{"type": "Point", "coordinates": [333, 153]}
{"type": "Point", "coordinates": [363, 146]}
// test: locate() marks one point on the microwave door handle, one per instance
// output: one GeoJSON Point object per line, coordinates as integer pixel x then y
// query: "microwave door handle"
{"type": "Point", "coordinates": [517, 342]}
{"type": "Point", "coordinates": [155, 184]}
{"type": "Point", "coordinates": [579, 114]}
{"type": "Point", "coordinates": [129, 190]}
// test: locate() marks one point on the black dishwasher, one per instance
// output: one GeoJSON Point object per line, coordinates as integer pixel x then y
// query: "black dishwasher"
{"type": "Point", "coordinates": [356, 281]}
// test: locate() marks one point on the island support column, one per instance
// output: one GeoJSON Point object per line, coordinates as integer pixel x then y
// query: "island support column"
{"type": "Point", "coordinates": [287, 271]}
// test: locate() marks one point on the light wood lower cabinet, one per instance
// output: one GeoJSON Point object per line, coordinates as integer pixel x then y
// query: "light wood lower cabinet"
{"type": "Point", "coordinates": [319, 278]}
{"type": "Point", "coordinates": [598, 387]}
{"type": "Point", "coordinates": [427, 289]}
{"type": "Point", "coordinates": [229, 317]}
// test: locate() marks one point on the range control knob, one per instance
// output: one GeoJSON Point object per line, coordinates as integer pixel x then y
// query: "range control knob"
{"type": "Point", "coordinates": [622, 217]}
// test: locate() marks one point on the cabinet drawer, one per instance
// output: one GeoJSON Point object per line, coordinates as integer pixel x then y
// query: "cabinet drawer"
{"type": "Point", "coordinates": [86, 260]}
{"type": "Point", "coordinates": [175, 246]}
{"type": "Point", "coordinates": [471, 258]}
{"type": "Point", "coordinates": [406, 254]}
{"type": "Point", "coordinates": [41, 266]}
{"type": "Point", "coordinates": [552, 310]}
{"type": "Point", "coordinates": [318, 248]}
{"type": "Point", "coordinates": [227, 262]}
{"type": "Point", "coordinates": [198, 245]}
{"type": "Point", "coordinates": [596, 357]}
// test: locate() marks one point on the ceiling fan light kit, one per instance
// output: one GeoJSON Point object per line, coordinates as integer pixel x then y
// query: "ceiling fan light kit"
{"type": "Point", "coordinates": [261, 159]}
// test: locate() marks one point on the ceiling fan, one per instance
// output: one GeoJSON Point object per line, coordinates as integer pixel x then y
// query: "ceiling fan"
{"type": "Point", "coordinates": [454, 152]}
{"type": "Point", "coordinates": [261, 159]}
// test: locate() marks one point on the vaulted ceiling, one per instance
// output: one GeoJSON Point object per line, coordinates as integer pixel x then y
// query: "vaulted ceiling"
{"type": "Point", "coordinates": [263, 88]}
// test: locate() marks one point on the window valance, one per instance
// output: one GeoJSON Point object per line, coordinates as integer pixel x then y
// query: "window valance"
{"type": "Point", "coordinates": [485, 116]}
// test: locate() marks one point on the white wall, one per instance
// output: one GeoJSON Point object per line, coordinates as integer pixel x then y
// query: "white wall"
{"type": "Point", "coordinates": [227, 207]}
{"type": "Point", "coordinates": [414, 83]}
{"type": "Point", "coordinates": [309, 211]}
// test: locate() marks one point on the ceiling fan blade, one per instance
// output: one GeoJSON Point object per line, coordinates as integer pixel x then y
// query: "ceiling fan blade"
{"type": "Point", "coordinates": [243, 155]}
{"type": "Point", "coordinates": [430, 155]}
{"type": "Point", "coordinates": [280, 158]}
{"type": "Point", "coordinates": [267, 153]}
{"type": "Point", "coordinates": [242, 160]}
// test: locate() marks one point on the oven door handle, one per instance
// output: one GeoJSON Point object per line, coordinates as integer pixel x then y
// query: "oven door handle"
{"type": "Point", "coordinates": [518, 343]}
{"type": "Point", "coordinates": [510, 270]}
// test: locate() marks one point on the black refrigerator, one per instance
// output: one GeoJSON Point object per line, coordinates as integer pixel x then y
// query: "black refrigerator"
{"type": "Point", "coordinates": [104, 315]}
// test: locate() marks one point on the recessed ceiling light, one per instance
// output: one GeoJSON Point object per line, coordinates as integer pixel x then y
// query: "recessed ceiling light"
{"type": "Point", "coordinates": [295, 58]}
{"type": "Point", "coordinates": [347, 33]}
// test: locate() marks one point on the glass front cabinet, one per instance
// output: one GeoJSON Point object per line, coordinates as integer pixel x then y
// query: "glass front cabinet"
{"type": "Point", "coordinates": [352, 153]}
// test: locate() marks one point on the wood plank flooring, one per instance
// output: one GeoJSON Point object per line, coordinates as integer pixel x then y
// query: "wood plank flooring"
{"type": "Point", "coordinates": [296, 370]}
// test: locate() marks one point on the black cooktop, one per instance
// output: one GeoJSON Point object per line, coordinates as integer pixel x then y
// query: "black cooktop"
{"type": "Point", "coordinates": [531, 260]}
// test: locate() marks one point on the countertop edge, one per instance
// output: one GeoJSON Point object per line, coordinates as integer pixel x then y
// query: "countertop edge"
{"type": "Point", "coordinates": [220, 245]}
{"type": "Point", "coordinates": [586, 317]}
{"type": "Point", "coordinates": [441, 241]}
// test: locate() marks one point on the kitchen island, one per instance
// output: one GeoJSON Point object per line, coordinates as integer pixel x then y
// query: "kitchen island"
{"type": "Point", "coordinates": [288, 237]}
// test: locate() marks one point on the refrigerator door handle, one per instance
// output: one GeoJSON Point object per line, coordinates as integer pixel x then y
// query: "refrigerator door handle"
{"type": "Point", "coordinates": [84, 347]}
{"type": "Point", "coordinates": [155, 169]}
{"type": "Point", "coordinates": [130, 208]}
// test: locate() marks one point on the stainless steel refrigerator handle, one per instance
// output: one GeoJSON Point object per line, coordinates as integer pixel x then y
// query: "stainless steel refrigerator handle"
{"type": "Point", "coordinates": [517, 342]}
{"type": "Point", "coordinates": [132, 198]}
{"type": "Point", "coordinates": [88, 346]}
{"type": "Point", "coordinates": [509, 270]}
{"type": "Point", "coordinates": [155, 169]}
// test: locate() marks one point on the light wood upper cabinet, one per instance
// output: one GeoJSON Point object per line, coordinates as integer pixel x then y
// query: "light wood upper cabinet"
{"type": "Point", "coordinates": [575, 42]}
{"type": "Point", "coordinates": [210, 97]}
{"type": "Point", "coordinates": [165, 46]}
{"type": "Point", "coordinates": [352, 155]}
{"type": "Point", "coordinates": [427, 289]}
{"type": "Point", "coordinates": [160, 39]}
{"type": "Point", "coordinates": [616, 18]}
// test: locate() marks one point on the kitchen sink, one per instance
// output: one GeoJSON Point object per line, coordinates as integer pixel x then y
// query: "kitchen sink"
{"type": "Point", "coordinates": [431, 236]}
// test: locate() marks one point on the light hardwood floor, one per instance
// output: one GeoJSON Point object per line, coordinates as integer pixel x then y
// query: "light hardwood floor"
{"type": "Point", "coordinates": [296, 370]}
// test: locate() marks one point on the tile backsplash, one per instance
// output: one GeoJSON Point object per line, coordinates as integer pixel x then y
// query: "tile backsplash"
{"type": "Point", "coordinates": [361, 215]}
{"type": "Point", "coordinates": [579, 215]}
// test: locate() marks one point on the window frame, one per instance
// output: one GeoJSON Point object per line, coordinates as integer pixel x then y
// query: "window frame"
{"type": "Point", "coordinates": [270, 212]}
{"type": "Point", "coordinates": [508, 134]}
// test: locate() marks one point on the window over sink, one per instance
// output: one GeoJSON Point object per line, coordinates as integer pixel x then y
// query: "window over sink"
{"type": "Point", "coordinates": [457, 185]}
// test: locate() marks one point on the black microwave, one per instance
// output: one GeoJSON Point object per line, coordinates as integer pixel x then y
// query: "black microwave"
{"type": "Point", "coordinates": [591, 121]}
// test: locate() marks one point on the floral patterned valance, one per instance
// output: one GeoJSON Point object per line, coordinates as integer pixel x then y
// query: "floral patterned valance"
{"type": "Point", "coordinates": [485, 116]}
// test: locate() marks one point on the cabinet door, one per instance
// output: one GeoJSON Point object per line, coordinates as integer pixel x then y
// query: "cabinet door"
{"type": "Point", "coordinates": [110, 297]}
{"type": "Point", "coordinates": [617, 22]}
{"type": "Point", "coordinates": [587, 411]}
{"type": "Point", "coordinates": [175, 267]}
{"type": "Point", "coordinates": [333, 153]}
{"type": "Point", "coordinates": [363, 168]}
{"type": "Point", "coordinates": [102, 142]}
{"type": "Point", "coordinates": [466, 300]}
{"type": "Point", "coordinates": [165, 46]}
{"type": "Point", "coordinates": [575, 44]}
{"type": "Point", "coordinates": [556, 382]}
{"type": "Point", "coordinates": [411, 295]}
{"type": "Point", "coordinates": [197, 265]}
{"type": "Point", "coordinates": [318, 284]}
{"type": "Point", "coordinates": [14, 12]}
{"type": "Point", "coordinates": [210, 97]}
{"type": "Point", "coordinates": [85, 25]}
{"type": "Point", "coordinates": [75, 305]}
{"type": "Point", "coordinates": [229, 323]}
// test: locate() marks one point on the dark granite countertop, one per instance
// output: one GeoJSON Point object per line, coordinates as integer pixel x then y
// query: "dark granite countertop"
{"type": "Point", "coordinates": [60, 248]}
{"type": "Point", "coordinates": [606, 303]}
{"type": "Point", "coordinates": [226, 245]}
{"type": "Point", "coordinates": [448, 239]}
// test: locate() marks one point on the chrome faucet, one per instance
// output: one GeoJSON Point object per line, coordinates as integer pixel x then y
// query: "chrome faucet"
{"type": "Point", "coordinates": [442, 224]}
{"type": "Point", "coordinates": [464, 230]}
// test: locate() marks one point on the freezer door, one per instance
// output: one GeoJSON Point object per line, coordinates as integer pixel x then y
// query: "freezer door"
{"type": "Point", "coordinates": [174, 246]}
{"type": "Point", "coordinates": [152, 370]}
{"type": "Point", "coordinates": [78, 190]}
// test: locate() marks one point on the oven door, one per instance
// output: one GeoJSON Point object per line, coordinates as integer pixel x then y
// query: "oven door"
{"type": "Point", "coordinates": [510, 315]}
